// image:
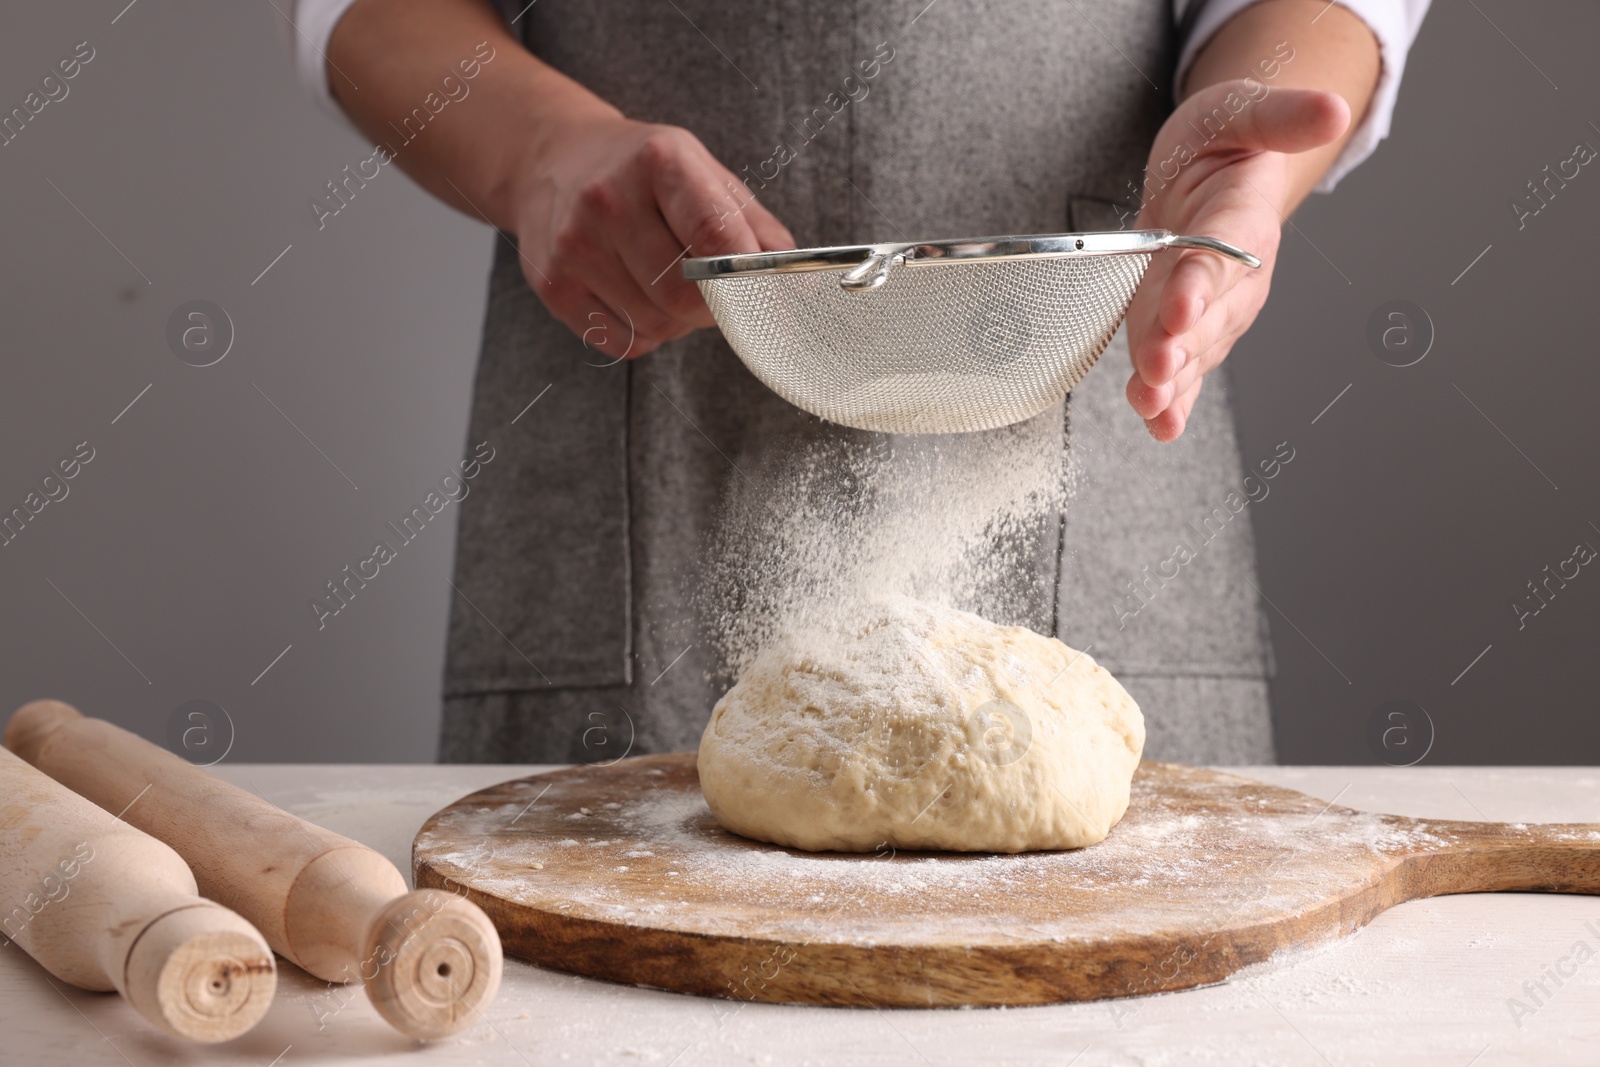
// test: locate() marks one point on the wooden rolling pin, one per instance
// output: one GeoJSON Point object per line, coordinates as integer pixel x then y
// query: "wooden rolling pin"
{"type": "Point", "coordinates": [105, 906]}
{"type": "Point", "coordinates": [430, 960]}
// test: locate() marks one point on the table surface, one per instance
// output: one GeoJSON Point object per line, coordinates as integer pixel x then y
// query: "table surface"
{"type": "Point", "coordinates": [1448, 981]}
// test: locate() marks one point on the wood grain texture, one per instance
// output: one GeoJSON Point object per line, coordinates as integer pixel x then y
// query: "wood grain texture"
{"type": "Point", "coordinates": [103, 906]}
{"type": "Point", "coordinates": [430, 962]}
{"type": "Point", "coordinates": [620, 872]}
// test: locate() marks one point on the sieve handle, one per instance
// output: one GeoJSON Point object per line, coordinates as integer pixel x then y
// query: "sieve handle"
{"type": "Point", "coordinates": [871, 272]}
{"type": "Point", "coordinates": [1211, 244]}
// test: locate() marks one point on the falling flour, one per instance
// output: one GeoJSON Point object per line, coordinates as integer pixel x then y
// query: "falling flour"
{"type": "Point", "coordinates": [966, 520]}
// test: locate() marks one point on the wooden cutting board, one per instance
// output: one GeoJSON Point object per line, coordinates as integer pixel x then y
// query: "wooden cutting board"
{"type": "Point", "coordinates": [620, 872]}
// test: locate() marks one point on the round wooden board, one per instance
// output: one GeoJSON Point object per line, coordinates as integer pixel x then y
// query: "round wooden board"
{"type": "Point", "coordinates": [620, 872]}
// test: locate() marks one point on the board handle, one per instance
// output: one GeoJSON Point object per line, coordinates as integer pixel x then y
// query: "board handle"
{"type": "Point", "coordinates": [1493, 857]}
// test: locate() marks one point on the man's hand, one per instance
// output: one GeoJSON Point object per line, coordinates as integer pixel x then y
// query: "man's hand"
{"type": "Point", "coordinates": [1238, 187]}
{"type": "Point", "coordinates": [604, 208]}
{"type": "Point", "coordinates": [605, 211]}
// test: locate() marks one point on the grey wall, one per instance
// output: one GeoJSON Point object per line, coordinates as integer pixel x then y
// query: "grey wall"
{"type": "Point", "coordinates": [1411, 520]}
{"type": "Point", "coordinates": [194, 539]}
{"type": "Point", "coordinates": [180, 562]}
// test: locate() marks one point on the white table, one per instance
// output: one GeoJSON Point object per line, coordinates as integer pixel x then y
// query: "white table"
{"type": "Point", "coordinates": [1427, 983]}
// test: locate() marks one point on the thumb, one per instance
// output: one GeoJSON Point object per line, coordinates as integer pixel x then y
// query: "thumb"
{"type": "Point", "coordinates": [1284, 120]}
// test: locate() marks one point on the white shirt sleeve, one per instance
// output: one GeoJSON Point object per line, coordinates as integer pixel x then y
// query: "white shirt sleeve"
{"type": "Point", "coordinates": [308, 34]}
{"type": "Point", "coordinates": [311, 25]}
{"type": "Point", "coordinates": [1393, 22]}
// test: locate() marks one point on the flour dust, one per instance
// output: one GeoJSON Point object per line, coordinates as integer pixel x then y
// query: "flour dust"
{"type": "Point", "coordinates": [971, 521]}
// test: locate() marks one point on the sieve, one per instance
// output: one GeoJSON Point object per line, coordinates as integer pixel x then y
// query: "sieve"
{"type": "Point", "coordinates": [937, 337]}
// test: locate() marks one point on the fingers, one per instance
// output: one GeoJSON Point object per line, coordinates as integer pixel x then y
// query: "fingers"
{"type": "Point", "coordinates": [701, 203]}
{"type": "Point", "coordinates": [671, 186]}
{"type": "Point", "coordinates": [606, 331]}
{"type": "Point", "coordinates": [1189, 315]}
{"type": "Point", "coordinates": [588, 288]}
{"type": "Point", "coordinates": [1148, 403]}
{"type": "Point", "coordinates": [586, 285]}
{"type": "Point", "coordinates": [773, 235]}
{"type": "Point", "coordinates": [1148, 400]}
{"type": "Point", "coordinates": [1180, 289]}
{"type": "Point", "coordinates": [1298, 120]}
{"type": "Point", "coordinates": [1181, 361]}
{"type": "Point", "coordinates": [1280, 120]}
{"type": "Point", "coordinates": [719, 216]}
{"type": "Point", "coordinates": [615, 283]}
{"type": "Point", "coordinates": [706, 211]}
{"type": "Point", "coordinates": [1161, 347]}
{"type": "Point", "coordinates": [633, 203]}
{"type": "Point", "coordinates": [1192, 301]}
{"type": "Point", "coordinates": [651, 254]}
{"type": "Point", "coordinates": [1235, 205]}
{"type": "Point", "coordinates": [1169, 425]}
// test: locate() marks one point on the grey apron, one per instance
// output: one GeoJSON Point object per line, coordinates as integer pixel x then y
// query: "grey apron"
{"type": "Point", "coordinates": [572, 636]}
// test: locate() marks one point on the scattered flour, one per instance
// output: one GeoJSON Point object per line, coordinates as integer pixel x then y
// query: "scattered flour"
{"type": "Point", "coordinates": [959, 519]}
{"type": "Point", "coordinates": [1199, 853]}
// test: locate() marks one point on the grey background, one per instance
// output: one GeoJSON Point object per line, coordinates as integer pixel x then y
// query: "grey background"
{"type": "Point", "coordinates": [179, 566]}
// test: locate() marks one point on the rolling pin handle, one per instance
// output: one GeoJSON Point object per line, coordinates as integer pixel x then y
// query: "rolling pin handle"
{"type": "Point", "coordinates": [431, 961]}
{"type": "Point", "coordinates": [200, 972]}
{"type": "Point", "coordinates": [102, 905]}
{"type": "Point", "coordinates": [439, 963]}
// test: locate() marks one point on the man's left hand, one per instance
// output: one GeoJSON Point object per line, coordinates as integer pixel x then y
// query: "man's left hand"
{"type": "Point", "coordinates": [1192, 305]}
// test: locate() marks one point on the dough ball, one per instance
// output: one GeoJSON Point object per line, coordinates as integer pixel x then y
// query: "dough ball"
{"type": "Point", "coordinates": [909, 725]}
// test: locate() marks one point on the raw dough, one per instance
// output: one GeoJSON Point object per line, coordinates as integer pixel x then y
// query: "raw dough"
{"type": "Point", "coordinates": [908, 725]}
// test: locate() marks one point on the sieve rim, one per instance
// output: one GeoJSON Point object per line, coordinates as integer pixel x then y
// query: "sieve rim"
{"type": "Point", "coordinates": [926, 253]}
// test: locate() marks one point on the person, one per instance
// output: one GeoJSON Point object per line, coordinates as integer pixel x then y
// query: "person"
{"type": "Point", "coordinates": [607, 141]}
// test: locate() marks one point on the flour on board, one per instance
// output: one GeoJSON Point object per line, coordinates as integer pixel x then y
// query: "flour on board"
{"type": "Point", "coordinates": [1194, 870]}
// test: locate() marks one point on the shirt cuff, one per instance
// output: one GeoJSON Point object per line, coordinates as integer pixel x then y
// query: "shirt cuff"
{"type": "Point", "coordinates": [1393, 22]}
{"type": "Point", "coordinates": [312, 26]}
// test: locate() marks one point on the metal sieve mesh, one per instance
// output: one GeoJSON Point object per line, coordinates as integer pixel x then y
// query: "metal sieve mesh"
{"type": "Point", "coordinates": [943, 338]}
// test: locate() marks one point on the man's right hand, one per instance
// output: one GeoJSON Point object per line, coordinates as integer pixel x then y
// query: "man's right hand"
{"type": "Point", "coordinates": [606, 209]}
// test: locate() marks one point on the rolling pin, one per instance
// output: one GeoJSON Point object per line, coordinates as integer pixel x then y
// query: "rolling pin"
{"type": "Point", "coordinates": [105, 906]}
{"type": "Point", "coordinates": [430, 960]}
